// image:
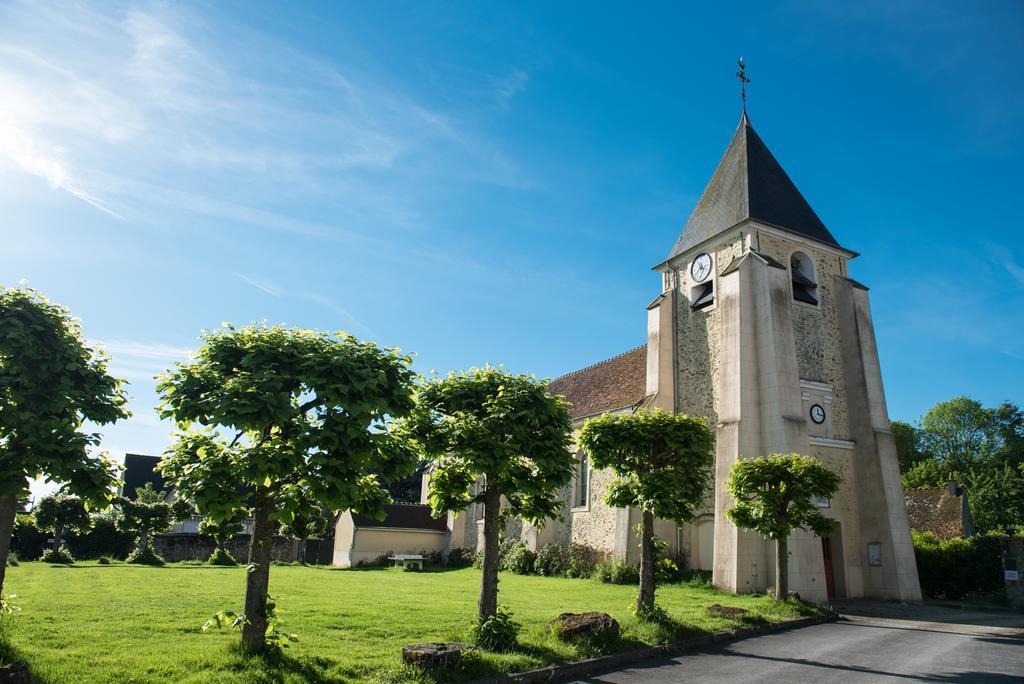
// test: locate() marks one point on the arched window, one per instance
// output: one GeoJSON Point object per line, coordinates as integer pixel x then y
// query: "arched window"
{"type": "Point", "coordinates": [582, 489]}
{"type": "Point", "coordinates": [805, 286]}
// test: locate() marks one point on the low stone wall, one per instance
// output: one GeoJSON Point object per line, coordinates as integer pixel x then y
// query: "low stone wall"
{"type": "Point", "coordinates": [183, 547]}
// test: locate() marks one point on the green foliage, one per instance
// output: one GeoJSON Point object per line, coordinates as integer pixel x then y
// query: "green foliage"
{"type": "Point", "coordinates": [27, 540]}
{"type": "Point", "coordinates": [514, 556]}
{"type": "Point", "coordinates": [981, 449]}
{"type": "Point", "coordinates": [309, 409]}
{"type": "Point", "coordinates": [463, 557]}
{"type": "Point", "coordinates": [52, 383]}
{"type": "Point", "coordinates": [102, 539]}
{"type": "Point", "coordinates": [103, 560]}
{"type": "Point", "coordinates": [908, 444]}
{"type": "Point", "coordinates": [144, 516]}
{"type": "Point", "coordinates": [616, 571]}
{"type": "Point", "coordinates": [925, 475]}
{"type": "Point", "coordinates": [7, 606]}
{"type": "Point", "coordinates": [310, 522]}
{"type": "Point", "coordinates": [222, 557]}
{"type": "Point", "coordinates": [662, 461]}
{"type": "Point", "coordinates": [953, 568]}
{"type": "Point", "coordinates": [488, 422]}
{"type": "Point", "coordinates": [59, 555]}
{"type": "Point", "coordinates": [310, 413]}
{"type": "Point", "coordinates": [58, 514]}
{"type": "Point", "coordinates": [144, 554]}
{"type": "Point", "coordinates": [12, 560]}
{"type": "Point", "coordinates": [654, 613]}
{"type": "Point", "coordinates": [499, 632]}
{"type": "Point", "coordinates": [996, 498]}
{"type": "Point", "coordinates": [775, 495]}
{"type": "Point", "coordinates": [223, 531]}
{"type": "Point", "coordinates": [276, 637]}
{"type": "Point", "coordinates": [566, 560]}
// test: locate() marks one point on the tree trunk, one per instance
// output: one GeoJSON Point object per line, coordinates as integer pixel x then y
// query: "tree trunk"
{"type": "Point", "coordinates": [489, 582]}
{"type": "Point", "coordinates": [302, 550]}
{"type": "Point", "coordinates": [254, 630]}
{"type": "Point", "coordinates": [8, 510]}
{"type": "Point", "coordinates": [143, 542]}
{"type": "Point", "coordinates": [58, 535]}
{"type": "Point", "coordinates": [781, 568]}
{"type": "Point", "coordinates": [645, 597]}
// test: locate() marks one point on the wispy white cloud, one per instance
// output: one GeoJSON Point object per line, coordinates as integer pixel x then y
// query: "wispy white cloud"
{"type": "Point", "coordinates": [319, 298]}
{"type": "Point", "coordinates": [267, 286]}
{"type": "Point", "coordinates": [139, 362]}
{"type": "Point", "coordinates": [508, 87]}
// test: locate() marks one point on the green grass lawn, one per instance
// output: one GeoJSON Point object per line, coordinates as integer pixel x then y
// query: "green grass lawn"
{"type": "Point", "coordinates": [121, 623]}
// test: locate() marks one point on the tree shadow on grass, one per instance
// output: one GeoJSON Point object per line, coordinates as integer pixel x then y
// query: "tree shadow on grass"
{"type": "Point", "coordinates": [11, 654]}
{"type": "Point", "coordinates": [278, 665]}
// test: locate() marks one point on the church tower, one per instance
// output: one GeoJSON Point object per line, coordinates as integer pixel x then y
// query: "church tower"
{"type": "Point", "coordinates": [760, 329]}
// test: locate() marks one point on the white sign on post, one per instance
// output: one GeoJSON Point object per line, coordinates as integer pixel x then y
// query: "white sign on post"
{"type": "Point", "coordinates": [1012, 575]}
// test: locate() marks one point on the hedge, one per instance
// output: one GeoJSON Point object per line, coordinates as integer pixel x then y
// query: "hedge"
{"type": "Point", "coordinates": [950, 569]}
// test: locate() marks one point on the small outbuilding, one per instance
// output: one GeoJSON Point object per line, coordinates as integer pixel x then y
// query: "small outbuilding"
{"type": "Point", "coordinates": [406, 529]}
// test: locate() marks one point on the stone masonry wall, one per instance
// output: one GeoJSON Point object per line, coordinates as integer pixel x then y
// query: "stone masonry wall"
{"type": "Point", "coordinates": [816, 328]}
{"type": "Point", "coordinates": [184, 547]}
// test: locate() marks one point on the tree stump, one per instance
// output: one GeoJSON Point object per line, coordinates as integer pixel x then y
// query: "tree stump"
{"type": "Point", "coordinates": [15, 673]}
{"type": "Point", "coordinates": [725, 611]}
{"type": "Point", "coordinates": [571, 626]}
{"type": "Point", "coordinates": [434, 656]}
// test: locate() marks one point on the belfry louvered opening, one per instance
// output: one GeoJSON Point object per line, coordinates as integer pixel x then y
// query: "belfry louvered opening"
{"type": "Point", "coordinates": [702, 296]}
{"type": "Point", "coordinates": [805, 287]}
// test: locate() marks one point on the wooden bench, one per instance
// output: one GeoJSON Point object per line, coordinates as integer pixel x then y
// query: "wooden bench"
{"type": "Point", "coordinates": [407, 560]}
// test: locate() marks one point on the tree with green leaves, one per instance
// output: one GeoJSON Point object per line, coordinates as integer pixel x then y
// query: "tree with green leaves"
{"type": "Point", "coordinates": [662, 463]}
{"type": "Point", "coordinates": [311, 523]}
{"type": "Point", "coordinates": [222, 532]}
{"type": "Point", "coordinates": [60, 513]}
{"type": "Point", "coordinates": [308, 412]}
{"type": "Point", "coordinates": [52, 383]}
{"type": "Point", "coordinates": [504, 432]}
{"type": "Point", "coordinates": [960, 433]}
{"type": "Point", "coordinates": [148, 514]}
{"type": "Point", "coordinates": [775, 495]}
{"type": "Point", "coordinates": [908, 445]}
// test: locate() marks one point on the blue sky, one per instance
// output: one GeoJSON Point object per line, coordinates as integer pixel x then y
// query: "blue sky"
{"type": "Point", "coordinates": [485, 182]}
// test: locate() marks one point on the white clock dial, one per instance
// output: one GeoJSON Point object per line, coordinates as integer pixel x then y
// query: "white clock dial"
{"type": "Point", "coordinates": [700, 269]}
{"type": "Point", "coordinates": [818, 414]}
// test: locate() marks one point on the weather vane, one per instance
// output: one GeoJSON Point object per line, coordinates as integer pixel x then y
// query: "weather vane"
{"type": "Point", "coordinates": [744, 80]}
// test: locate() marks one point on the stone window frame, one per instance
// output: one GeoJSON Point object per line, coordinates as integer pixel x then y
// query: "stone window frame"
{"type": "Point", "coordinates": [575, 493]}
{"type": "Point", "coordinates": [805, 252]}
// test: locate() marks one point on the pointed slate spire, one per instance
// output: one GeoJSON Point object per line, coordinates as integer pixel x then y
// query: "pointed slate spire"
{"type": "Point", "coordinates": [750, 184]}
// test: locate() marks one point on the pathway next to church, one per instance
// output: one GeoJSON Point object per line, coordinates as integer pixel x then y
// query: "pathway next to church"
{"type": "Point", "coordinates": [874, 642]}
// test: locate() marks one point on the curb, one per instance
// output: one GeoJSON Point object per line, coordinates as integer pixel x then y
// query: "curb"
{"type": "Point", "coordinates": [580, 668]}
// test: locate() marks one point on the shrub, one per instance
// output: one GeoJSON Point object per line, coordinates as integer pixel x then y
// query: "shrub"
{"type": "Point", "coordinates": [222, 557]}
{"type": "Point", "coordinates": [145, 555]}
{"type": "Point", "coordinates": [27, 540]}
{"type": "Point", "coordinates": [102, 539]}
{"type": "Point", "coordinates": [616, 572]}
{"type": "Point", "coordinates": [12, 559]}
{"type": "Point", "coordinates": [953, 568]}
{"type": "Point", "coordinates": [697, 578]}
{"type": "Point", "coordinates": [499, 632]}
{"type": "Point", "coordinates": [59, 555]}
{"type": "Point", "coordinates": [516, 557]}
{"type": "Point", "coordinates": [103, 560]}
{"type": "Point", "coordinates": [566, 560]}
{"type": "Point", "coordinates": [461, 558]}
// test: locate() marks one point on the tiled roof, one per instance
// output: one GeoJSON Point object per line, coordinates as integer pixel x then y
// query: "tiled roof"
{"type": "Point", "coordinates": [936, 510]}
{"type": "Point", "coordinates": [620, 381]}
{"type": "Point", "coordinates": [750, 183]}
{"type": "Point", "coordinates": [410, 516]}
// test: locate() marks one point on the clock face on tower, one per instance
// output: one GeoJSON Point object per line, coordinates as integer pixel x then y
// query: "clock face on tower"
{"type": "Point", "coordinates": [700, 269]}
{"type": "Point", "coordinates": [818, 414]}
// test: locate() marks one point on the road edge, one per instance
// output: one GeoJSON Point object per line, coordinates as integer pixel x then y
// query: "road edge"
{"type": "Point", "coordinates": [579, 668]}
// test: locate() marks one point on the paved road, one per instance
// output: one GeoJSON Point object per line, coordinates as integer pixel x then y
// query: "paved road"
{"type": "Point", "coordinates": [874, 642]}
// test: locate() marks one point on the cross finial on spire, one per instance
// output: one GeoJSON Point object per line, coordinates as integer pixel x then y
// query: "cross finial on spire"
{"type": "Point", "coordinates": [744, 80]}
